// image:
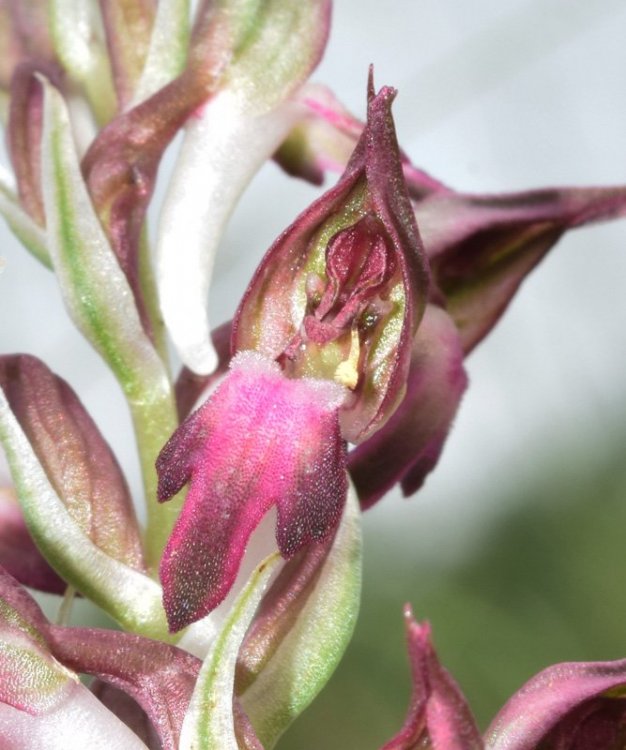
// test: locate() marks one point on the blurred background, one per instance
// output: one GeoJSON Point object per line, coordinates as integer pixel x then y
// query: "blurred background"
{"type": "Point", "coordinates": [514, 548]}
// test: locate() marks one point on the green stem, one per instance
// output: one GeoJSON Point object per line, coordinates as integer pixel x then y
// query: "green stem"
{"type": "Point", "coordinates": [154, 421]}
{"type": "Point", "coordinates": [150, 298]}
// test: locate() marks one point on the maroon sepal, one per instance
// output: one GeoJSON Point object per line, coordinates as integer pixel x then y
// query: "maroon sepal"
{"type": "Point", "coordinates": [481, 247]}
{"type": "Point", "coordinates": [438, 716]}
{"type": "Point", "coordinates": [569, 706]}
{"type": "Point", "coordinates": [24, 130]}
{"type": "Point", "coordinates": [76, 458]}
{"type": "Point", "coordinates": [159, 677]}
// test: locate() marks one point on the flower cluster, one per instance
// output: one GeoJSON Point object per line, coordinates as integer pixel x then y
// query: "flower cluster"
{"type": "Point", "coordinates": [337, 379]}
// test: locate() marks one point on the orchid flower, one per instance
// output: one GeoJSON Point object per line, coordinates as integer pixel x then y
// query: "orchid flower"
{"type": "Point", "coordinates": [480, 248]}
{"type": "Point", "coordinates": [323, 339]}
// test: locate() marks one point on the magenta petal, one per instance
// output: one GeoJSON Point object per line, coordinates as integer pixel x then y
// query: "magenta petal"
{"type": "Point", "coordinates": [563, 702]}
{"type": "Point", "coordinates": [260, 440]}
{"type": "Point", "coordinates": [407, 448]}
{"type": "Point", "coordinates": [438, 716]}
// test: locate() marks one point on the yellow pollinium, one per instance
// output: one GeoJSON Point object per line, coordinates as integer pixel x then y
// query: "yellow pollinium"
{"type": "Point", "coordinates": [347, 372]}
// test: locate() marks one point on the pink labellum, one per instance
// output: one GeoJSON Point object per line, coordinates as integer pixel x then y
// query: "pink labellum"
{"type": "Point", "coordinates": [260, 440]}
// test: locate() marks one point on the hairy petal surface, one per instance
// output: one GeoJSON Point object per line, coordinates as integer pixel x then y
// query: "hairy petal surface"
{"type": "Point", "coordinates": [408, 446]}
{"type": "Point", "coordinates": [260, 440]}
{"type": "Point", "coordinates": [557, 708]}
{"type": "Point", "coordinates": [438, 716]}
